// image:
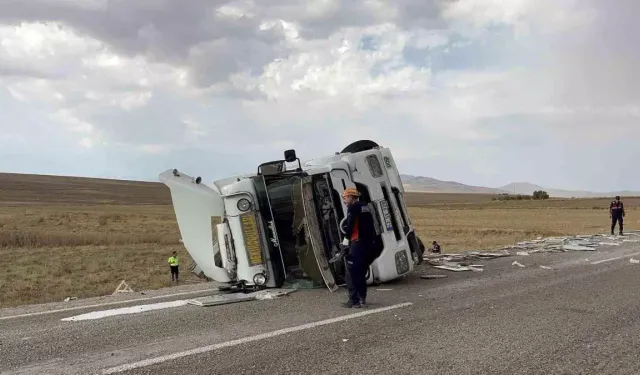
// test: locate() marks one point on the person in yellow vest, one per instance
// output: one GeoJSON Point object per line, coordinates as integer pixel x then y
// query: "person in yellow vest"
{"type": "Point", "coordinates": [173, 264]}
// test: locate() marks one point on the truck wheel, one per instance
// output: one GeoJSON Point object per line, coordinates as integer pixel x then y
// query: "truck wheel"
{"type": "Point", "coordinates": [359, 146]}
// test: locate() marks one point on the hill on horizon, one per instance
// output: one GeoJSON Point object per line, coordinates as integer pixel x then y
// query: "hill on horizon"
{"type": "Point", "coordinates": [31, 188]}
{"type": "Point", "coordinates": [432, 185]}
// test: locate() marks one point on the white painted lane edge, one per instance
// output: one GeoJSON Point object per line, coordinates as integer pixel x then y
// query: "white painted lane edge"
{"type": "Point", "coordinates": [125, 310]}
{"type": "Point", "coordinates": [616, 258]}
{"type": "Point", "coordinates": [244, 340]}
{"type": "Point", "coordinates": [105, 304]}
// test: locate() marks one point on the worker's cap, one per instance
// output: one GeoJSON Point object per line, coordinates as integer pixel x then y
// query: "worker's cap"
{"type": "Point", "coordinates": [350, 192]}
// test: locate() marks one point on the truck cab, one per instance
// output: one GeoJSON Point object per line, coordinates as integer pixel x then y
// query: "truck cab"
{"type": "Point", "coordinates": [284, 222]}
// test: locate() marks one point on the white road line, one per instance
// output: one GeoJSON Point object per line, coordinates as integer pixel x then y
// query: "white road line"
{"type": "Point", "coordinates": [616, 258]}
{"type": "Point", "coordinates": [244, 340]}
{"type": "Point", "coordinates": [125, 310]}
{"type": "Point", "coordinates": [105, 304]}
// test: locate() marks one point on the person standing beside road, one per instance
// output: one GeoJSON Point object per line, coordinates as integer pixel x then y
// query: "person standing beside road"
{"type": "Point", "coordinates": [173, 265]}
{"type": "Point", "coordinates": [360, 237]}
{"type": "Point", "coordinates": [616, 214]}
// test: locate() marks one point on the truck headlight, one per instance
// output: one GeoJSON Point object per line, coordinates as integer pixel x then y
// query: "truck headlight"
{"type": "Point", "coordinates": [260, 279]}
{"type": "Point", "coordinates": [244, 204]}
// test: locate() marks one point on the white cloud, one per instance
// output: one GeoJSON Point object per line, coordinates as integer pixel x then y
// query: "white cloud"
{"type": "Point", "coordinates": [468, 90]}
{"type": "Point", "coordinates": [86, 142]}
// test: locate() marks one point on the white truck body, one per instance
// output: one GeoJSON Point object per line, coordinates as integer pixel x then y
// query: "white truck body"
{"type": "Point", "coordinates": [257, 230]}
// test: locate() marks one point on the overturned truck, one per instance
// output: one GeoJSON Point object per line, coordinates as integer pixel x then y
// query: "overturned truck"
{"type": "Point", "coordinates": [285, 222]}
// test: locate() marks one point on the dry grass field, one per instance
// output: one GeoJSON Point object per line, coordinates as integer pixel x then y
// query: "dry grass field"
{"type": "Point", "coordinates": [75, 237]}
{"type": "Point", "coordinates": [474, 221]}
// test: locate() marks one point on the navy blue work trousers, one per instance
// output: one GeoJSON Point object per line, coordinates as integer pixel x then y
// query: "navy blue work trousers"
{"type": "Point", "coordinates": [617, 218]}
{"type": "Point", "coordinates": [357, 272]}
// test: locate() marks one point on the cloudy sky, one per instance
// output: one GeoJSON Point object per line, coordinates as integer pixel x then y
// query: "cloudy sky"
{"type": "Point", "coordinates": [482, 92]}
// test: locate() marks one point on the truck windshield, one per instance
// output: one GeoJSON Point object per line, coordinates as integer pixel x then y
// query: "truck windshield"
{"type": "Point", "coordinates": [281, 206]}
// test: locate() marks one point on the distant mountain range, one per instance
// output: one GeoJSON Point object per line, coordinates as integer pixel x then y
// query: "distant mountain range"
{"type": "Point", "coordinates": [432, 185]}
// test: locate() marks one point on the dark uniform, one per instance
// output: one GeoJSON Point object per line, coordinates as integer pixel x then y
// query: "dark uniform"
{"type": "Point", "coordinates": [360, 231]}
{"type": "Point", "coordinates": [616, 212]}
{"type": "Point", "coordinates": [436, 248]}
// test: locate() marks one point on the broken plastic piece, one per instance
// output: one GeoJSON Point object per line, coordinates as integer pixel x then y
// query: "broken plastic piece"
{"type": "Point", "coordinates": [516, 263]}
{"type": "Point", "coordinates": [634, 261]}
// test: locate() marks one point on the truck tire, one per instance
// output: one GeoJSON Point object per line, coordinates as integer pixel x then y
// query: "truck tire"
{"type": "Point", "coordinates": [359, 146]}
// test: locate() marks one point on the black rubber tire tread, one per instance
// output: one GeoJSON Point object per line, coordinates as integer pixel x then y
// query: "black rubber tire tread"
{"type": "Point", "coordinates": [359, 146]}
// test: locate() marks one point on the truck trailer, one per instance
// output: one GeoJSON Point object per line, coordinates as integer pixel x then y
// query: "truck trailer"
{"type": "Point", "coordinates": [285, 222]}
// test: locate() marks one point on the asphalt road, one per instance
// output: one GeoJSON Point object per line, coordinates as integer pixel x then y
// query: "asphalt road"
{"type": "Point", "coordinates": [581, 317]}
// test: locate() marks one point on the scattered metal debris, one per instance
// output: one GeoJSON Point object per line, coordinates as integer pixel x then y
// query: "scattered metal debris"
{"type": "Point", "coordinates": [223, 299]}
{"type": "Point", "coordinates": [70, 299]}
{"type": "Point", "coordinates": [634, 261]}
{"type": "Point", "coordinates": [516, 263]}
{"type": "Point", "coordinates": [273, 294]}
{"type": "Point", "coordinates": [461, 261]}
{"type": "Point", "coordinates": [571, 243]}
{"type": "Point", "coordinates": [578, 248]}
{"type": "Point", "coordinates": [453, 267]}
{"type": "Point", "coordinates": [546, 267]}
{"type": "Point", "coordinates": [476, 267]}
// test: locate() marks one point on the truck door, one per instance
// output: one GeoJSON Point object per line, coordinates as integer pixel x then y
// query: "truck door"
{"type": "Point", "coordinates": [197, 207]}
{"type": "Point", "coordinates": [315, 239]}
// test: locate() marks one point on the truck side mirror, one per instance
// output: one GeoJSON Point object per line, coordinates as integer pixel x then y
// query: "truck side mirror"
{"type": "Point", "coordinates": [290, 156]}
